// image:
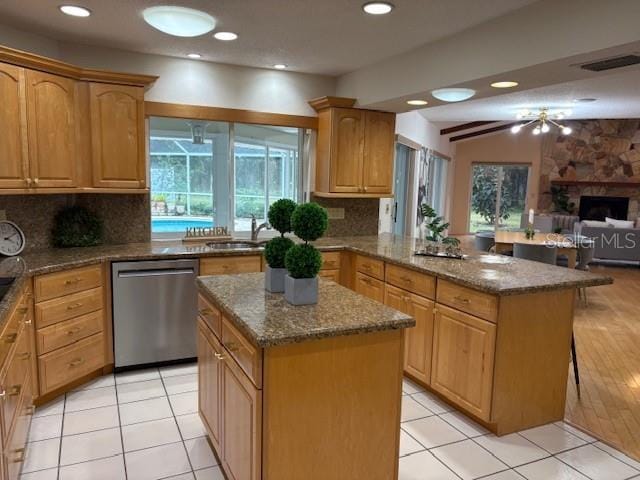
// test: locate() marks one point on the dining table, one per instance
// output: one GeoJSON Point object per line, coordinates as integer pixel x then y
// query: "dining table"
{"type": "Point", "coordinates": [565, 246]}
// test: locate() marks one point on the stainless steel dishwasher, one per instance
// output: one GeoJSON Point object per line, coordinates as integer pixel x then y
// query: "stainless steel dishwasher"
{"type": "Point", "coordinates": [154, 311]}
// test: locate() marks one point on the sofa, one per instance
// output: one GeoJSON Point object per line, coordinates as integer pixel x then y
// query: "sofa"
{"type": "Point", "coordinates": [611, 243]}
{"type": "Point", "coordinates": [551, 222]}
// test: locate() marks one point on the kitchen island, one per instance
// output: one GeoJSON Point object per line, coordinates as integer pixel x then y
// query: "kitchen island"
{"type": "Point", "coordinates": [291, 392]}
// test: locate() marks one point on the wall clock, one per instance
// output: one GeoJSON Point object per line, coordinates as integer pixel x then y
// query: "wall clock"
{"type": "Point", "coordinates": [11, 238]}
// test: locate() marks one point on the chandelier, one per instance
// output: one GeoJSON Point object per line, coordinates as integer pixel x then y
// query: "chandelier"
{"type": "Point", "coordinates": [543, 120]}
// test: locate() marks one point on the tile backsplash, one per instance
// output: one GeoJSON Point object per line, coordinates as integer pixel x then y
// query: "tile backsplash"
{"type": "Point", "coordinates": [125, 216]}
{"type": "Point", "coordinates": [360, 216]}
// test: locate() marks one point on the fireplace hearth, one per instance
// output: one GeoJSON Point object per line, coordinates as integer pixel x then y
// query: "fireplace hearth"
{"type": "Point", "coordinates": [597, 208]}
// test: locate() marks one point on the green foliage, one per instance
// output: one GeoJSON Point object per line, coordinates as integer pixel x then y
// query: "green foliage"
{"type": "Point", "coordinates": [485, 192]}
{"type": "Point", "coordinates": [76, 227]}
{"type": "Point", "coordinates": [275, 251]}
{"type": "Point", "coordinates": [560, 200]}
{"type": "Point", "coordinates": [280, 214]}
{"type": "Point", "coordinates": [309, 221]}
{"type": "Point", "coordinates": [436, 226]}
{"type": "Point", "coordinates": [303, 261]}
{"type": "Point", "coordinates": [247, 206]}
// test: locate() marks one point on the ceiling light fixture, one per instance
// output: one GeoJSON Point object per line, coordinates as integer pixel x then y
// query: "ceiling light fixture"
{"type": "Point", "coordinates": [225, 36]}
{"type": "Point", "coordinates": [453, 94]}
{"type": "Point", "coordinates": [417, 102]}
{"type": "Point", "coordinates": [280, 66]}
{"type": "Point", "coordinates": [194, 55]}
{"type": "Point", "coordinates": [377, 8]}
{"type": "Point", "coordinates": [504, 84]}
{"type": "Point", "coordinates": [543, 121]}
{"type": "Point", "coordinates": [179, 21]}
{"type": "Point", "coordinates": [75, 11]}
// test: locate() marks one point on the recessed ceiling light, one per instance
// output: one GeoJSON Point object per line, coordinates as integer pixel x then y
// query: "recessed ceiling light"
{"type": "Point", "coordinates": [179, 21]}
{"type": "Point", "coordinates": [194, 55]}
{"type": "Point", "coordinates": [453, 94]}
{"type": "Point", "coordinates": [417, 102]}
{"type": "Point", "coordinates": [504, 84]}
{"type": "Point", "coordinates": [584, 100]}
{"type": "Point", "coordinates": [225, 36]}
{"type": "Point", "coordinates": [75, 11]}
{"type": "Point", "coordinates": [280, 66]}
{"type": "Point", "coordinates": [377, 8]}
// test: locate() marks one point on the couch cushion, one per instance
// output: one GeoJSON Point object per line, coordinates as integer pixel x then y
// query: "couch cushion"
{"type": "Point", "coordinates": [595, 223]}
{"type": "Point", "coordinates": [619, 223]}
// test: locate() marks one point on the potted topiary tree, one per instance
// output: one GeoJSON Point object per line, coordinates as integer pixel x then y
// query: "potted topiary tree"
{"type": "Point", "coordinates": [309, 222]}
{"type": "Point", "coordinates": [275, 250]}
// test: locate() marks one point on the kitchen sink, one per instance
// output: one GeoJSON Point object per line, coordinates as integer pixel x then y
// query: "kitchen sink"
{"type": "Point", "coordinates": [233, 244]}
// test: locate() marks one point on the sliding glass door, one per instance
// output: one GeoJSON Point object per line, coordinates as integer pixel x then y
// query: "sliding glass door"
{"type": "Point", "coordinates": [498, 196]}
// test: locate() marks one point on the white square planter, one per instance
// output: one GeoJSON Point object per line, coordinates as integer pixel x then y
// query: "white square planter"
{"type": "Point", "coordinates": [301, 291]}
{"type": "Point", "coordinates": [274, 279]}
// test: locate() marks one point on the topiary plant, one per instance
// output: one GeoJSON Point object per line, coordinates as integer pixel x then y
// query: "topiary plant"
{"type": "Point", "coordinates": [280, 214]}
{"type": "Point", "coordinates": [309, 222]}
{"type": "Point", "coordinates": [303, 261]}
{"type": "Point", "coordinates": [275, 251]}
{"type": "Point", "coordinates": [76, 227]}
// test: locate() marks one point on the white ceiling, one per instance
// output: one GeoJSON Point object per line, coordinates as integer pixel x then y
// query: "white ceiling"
{"type": "Point", "coordinates": [617, 96]}
{"type": "Point", "coordinates": [315, 36]}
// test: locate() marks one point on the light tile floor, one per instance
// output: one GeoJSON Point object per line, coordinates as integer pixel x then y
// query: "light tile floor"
{"type": "Point", "coordinates": [144, 425]}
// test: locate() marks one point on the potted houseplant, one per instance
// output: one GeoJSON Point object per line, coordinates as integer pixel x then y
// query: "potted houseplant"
{"type": "Point", "coordinates": [275, 250]}
{"type": "Point", "coordinates": [309, 222]}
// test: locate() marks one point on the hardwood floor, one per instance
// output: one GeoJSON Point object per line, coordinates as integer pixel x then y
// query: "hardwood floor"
{"type": "Point", "coordinates": [607, 333]}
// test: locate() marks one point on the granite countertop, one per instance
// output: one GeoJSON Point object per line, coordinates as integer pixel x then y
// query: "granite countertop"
{"type": "Point", "coordinates": [495, 274]}
{"type": "Point", "coordinates": [268, 320]}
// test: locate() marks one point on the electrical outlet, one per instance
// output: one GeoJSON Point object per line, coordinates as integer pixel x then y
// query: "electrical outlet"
{"type": "Point", "coordinates": [335, 213]}
{"type": "Point", "coordinates": [3, 214]}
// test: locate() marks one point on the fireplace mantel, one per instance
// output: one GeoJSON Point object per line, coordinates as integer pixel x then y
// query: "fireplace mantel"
{"type": "Point", "coordinates": [594, 183]}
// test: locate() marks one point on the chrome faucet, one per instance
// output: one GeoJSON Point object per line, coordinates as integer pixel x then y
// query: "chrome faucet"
{"type": "Point", "coordinates": [255, 228]}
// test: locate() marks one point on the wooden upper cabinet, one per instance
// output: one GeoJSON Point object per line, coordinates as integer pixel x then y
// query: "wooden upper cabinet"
{"type": "Point", "coordinates": [355, 150]}
{"type": "Point", "coordinates": [117, 136]}
{"type": "Point", "coordinates": [379, 152]}
{"type": "Point", "coordinates": [14, 171]}
{"type": "Point", "coordinates": [51, 129]}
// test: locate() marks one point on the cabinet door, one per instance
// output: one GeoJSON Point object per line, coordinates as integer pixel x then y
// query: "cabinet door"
{"type": "Point", "coordinates": [209, 379]}
{"type": "Point", "coordinates": [463, 356]}
{"type": "Point", "coordinates": [13, 125]}
{"type": "Point", "coordinates": [419, 339]}
{"type": "Point", "coordinates": [369, 287]}
{"type": "Point", "coordinates": [347, 133]}
{"type": "Point", "coordinates": [51, 124]}
{"type": "Point", "coordinates": [379, 139]}
{"type": "Point", "coordinates": [117, 136]}
{"type": "Point", "coordinates": [241, 424]}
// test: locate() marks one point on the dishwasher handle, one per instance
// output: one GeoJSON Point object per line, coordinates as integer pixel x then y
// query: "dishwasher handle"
{"type": "Point", "coordinates": [156, 272]}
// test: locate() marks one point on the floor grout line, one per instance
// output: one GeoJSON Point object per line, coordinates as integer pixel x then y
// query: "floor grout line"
{"type": "Point", "coordinates": [124, 459]}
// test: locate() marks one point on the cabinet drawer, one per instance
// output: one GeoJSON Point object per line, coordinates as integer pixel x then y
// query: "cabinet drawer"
{"type": "Point", "coordinates": [369, 287]}
{"type": "Point", "coordinates": [210, 315]}
{"type": "Point", "coordinates": [330, 261]}
{"type": "Point", "coordinates": [71, 306]}
{"type": "Point", "coordinates": [249, 358]}
{"type": "Point", "coordinates": [63, 283]}
{"type": "Point", "coordinates": [69, 363]}
{"type": "Point", "coordinates": [330, 275]}
{"type": "Point", "coordinates": [369, 266]}
{"type": "Point", "coordinates": [14, 381]}
{"type": "Point", "coordinates": [9, 333]}
{"type": "Point", "coordinates": [230, 265]}
{"type": "Point", "coordinates": [67, 332]}
{"type": "Point", "coordinates": [468, 300]}
{"type": "Point", "coordinates": [420, 283]}
{"type": "Point", "coordinates": [14, 452]}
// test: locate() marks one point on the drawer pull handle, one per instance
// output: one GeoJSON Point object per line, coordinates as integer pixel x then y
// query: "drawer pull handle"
{"type": "Point", "coordinates": [29, 321]}
{"type": "Point", "coordinates": [73, 281]}
{"type": "Point", "coordinates": [30, 410]}
{"type": "Point", "coordinates": [3, 394]}
{"type": "Point", "coordinates": [232, 346]}
{"type": "Point", "coordinates": [206, 311]}
{"type": "Point", "coordinates": [406, 299]}
{"type": "Point", "coordinates": [330, 263]}
{"type": "Point", "coordinates": [460, 299]}
{"type": "Point", "coordinates": [75, 363]}
{"type": "Point", "coordinates": [73, 306]}
{"type": "Point", "coordinates": [15, 391]}
{"type": "Point", "coordinates": [406, 279]}
{"type": "Point", "coordinates": [73, 331]}
{"type": "Point", "coordinates": [24, 356]}
{"type": "Point", "coordinates": [11, 338]}
{"type": "Point", "coordinates": [367, 281]}
{"type": "Point", "coordinates": [366, 266]}
{"type": "Point", "coordinates": [219, 356]}
{"type": "Point", "coordinates": [21, 457]}
{"type": "Point", "coordinates": [23, 310]}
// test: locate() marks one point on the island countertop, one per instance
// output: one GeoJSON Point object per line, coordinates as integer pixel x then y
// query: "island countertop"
{"type": "Point", "coordinates": [267, 319]}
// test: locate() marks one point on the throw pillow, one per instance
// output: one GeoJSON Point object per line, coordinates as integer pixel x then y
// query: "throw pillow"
{"type": "Point", "coordinates": [595, 223]}
{"type": "Point", "coordinates": [619, 223]}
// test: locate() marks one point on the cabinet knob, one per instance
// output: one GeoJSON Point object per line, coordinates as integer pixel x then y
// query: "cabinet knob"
{"type": "Point", "coordinates": [36, 180]}
{"type": "Point", "coordinates": [219, 356]}
{"type": "Point", "coordinates": [365, 189]}
{"type": "Point", "coordinates": [28, 180]}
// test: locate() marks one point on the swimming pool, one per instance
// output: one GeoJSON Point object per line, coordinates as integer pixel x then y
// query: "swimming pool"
{"type": "Point", "coordinates": [163, 225]}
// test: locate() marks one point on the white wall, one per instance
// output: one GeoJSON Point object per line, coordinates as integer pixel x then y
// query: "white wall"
{"type": "Point", "coordinates": [187, 81]}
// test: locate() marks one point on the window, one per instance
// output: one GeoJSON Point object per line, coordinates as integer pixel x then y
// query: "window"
{"type": "Point", "coordinates": [432, 182]}
{"type": "Point", "coordinates": [190, 166]}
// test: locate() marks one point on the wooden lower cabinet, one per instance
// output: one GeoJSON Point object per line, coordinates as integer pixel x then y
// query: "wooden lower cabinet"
{"type": "Point", "coordinates": [419, 339]}
{"type": "Point", "coordinates": [209, 382]}
{"type": "Point", "coordinates": [330, 275]}
{"type": "Point", "coordinates": [229, 265]}
{"type": "Point", "coordinates": [369, 287]}
{"type": "Point", "coordinates": [463, 357]}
